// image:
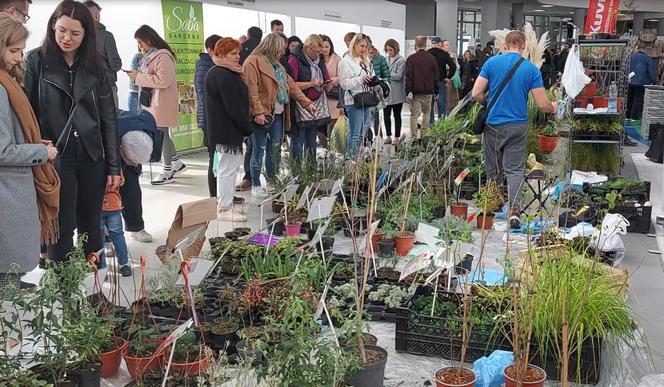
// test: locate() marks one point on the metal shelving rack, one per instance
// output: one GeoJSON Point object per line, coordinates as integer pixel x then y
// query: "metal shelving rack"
{"type": "Point", "coordinates": [606, 60]}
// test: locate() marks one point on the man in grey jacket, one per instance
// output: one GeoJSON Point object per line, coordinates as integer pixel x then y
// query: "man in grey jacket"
{"type": "Point", "coordinates": [106, 47]}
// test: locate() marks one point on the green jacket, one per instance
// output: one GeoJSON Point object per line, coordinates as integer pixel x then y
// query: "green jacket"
{"type": "Point", "coordinates": [381, 69]}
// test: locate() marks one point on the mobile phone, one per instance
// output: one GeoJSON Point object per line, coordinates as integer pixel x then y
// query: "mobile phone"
{"type": "Point", "coordinates": [126, 71]}
{"type": "Point", "coordinates": [327, 82]}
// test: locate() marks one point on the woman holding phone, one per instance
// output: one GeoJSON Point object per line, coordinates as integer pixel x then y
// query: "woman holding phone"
{"type": "Point", "coordinates": [71, 95]}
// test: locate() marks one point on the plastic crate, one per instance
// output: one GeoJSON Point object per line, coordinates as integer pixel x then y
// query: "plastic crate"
{"type": "Point", "coordinates": [589, 364]}
{"type": "Point", "coordinates": [638, 217]}
{"type": "Point", "coordinates": [422, 334]}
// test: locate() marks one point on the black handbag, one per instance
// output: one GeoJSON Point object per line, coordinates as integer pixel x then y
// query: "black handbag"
{"type": "Point", "coordinates": [262, 128]}
{"type": "Point", "coordinates": [483, 114]}
{"type": "Point", "coordinates": [368, 97]}
{"type": "Point", "coordinates": [145, 96]}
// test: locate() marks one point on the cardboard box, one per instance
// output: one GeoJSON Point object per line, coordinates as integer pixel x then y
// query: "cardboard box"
{"type": "Point", "coordinates": [190, 216]}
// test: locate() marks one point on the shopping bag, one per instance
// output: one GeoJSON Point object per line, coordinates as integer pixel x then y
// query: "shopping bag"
{"type": "Point", "coordinates": [574, 77]}
{"type": "Point", "coordinates": [457, 79]}
{"type": "Point", "coordinates": [339, 135]}
{"type": "Point", "coordinates": [215, 163]}
{"type": "Point", "coordinates": [608, 238]}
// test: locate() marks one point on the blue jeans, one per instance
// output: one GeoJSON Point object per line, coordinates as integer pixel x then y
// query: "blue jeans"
{"type": "Point", "coordinates": [358, 120]}
{"type": "Point", "coordinates": [303, 138]}
{"type": "Point", "coordinates": [111, 228]}
{"type": "Point", "coordinates": [134, 106]}
{"type": "Point", "coordinates": [442, 103]}
{"type": "Point", "coordinates": [268, 144]}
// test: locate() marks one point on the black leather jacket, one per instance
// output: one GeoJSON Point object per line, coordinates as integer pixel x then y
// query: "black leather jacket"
{"type": "Point", "coordinates": [52, 96]}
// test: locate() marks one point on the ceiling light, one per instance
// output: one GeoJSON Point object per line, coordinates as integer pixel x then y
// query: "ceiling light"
{"type": "Point", "coordinates": [538, 10]}
{"type": "Point", "coordinates": [548, 6]}
{"type": "Point", "coordinates": [653, 20]}
{"type": "Point", "coordinates": [572, 12]}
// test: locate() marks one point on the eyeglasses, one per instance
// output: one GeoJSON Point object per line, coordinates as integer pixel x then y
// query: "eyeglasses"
{"type": "Point", "coordinates": [25, 15]}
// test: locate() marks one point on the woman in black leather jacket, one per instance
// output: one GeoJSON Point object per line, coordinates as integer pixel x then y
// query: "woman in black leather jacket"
{"type": "Point", "coordinates": [65, 79]}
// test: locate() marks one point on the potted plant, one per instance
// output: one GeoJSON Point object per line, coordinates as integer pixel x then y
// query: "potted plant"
{"type": "Point", "coordinates": [141, 353]}
{"type": "Point", "coordinates": [488, 200]}
{"type": "Point", "coordinates": [189, 356]}
{"type": "Point", "coordinates": [405, 240]}
{"type": "Point", "coordinates": [455, 377]}
{"type": "Point", "coordinates": [388, 273]}
{"type": "Point", "coordinates": [88, 335]}
{"type": "Point", "coordinates": [548, 137]}
{"type": "Point", "coordinates": [386, 244]}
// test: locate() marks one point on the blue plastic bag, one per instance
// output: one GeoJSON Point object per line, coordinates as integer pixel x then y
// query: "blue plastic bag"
{"type": "Point", "coordinates": [489, 370]}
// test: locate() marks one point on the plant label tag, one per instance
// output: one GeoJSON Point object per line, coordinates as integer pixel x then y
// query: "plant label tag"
{"type": "Point", "coordinates": [459, 179]}
{"type": "Point", "coordinates": [382, 179]}
{"type": "Point", "coordinates": [321, 302]}
{"type": "Point", "coordinates": [434, 275]}
{"type": "Point", "coordinates": [180, 330]}
{"type": "Point", "coordinates": [290, 192]}
{"type": "Point", "coordinates": [321, 208]}
{"type": "Point", "coordinates": [336, 187]}
{"type": "Point", "coordinates": [303, 198]}
{"type": "Point", "coordinates": [448, 162]}
{"type": "Point", "coordinates": [418, 263]}
{"type": "Point", "coordinates": [427, 234]}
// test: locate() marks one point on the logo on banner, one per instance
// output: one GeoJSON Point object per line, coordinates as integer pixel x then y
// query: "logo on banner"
{"type": "Point", "coordinates": [178, 23]}
{"type": "Point", "coordinates": [602, 15]}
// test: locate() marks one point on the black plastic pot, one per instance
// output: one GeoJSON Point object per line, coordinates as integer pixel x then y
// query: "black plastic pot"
{"type": "Point", "coordinates": [439, 212]}
{"type": "Point", "coordinates": [385, 247]}
{"type": "Point", "coordinates": [89, 377]}
{"type": "Point", "coordinates": [328, 243]}
{"type": "Point", "coordinates": [370, 376]}
{"type": "Point", "coordinates": [277, 206]}
{"type": "Point", "coordinates": [245, 353]}
{"type": "Point", "coordinates": [279, 227]}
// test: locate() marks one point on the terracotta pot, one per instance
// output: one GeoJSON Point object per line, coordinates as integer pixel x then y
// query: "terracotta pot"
{"type": "Point", "coordinates": [485, 221]}
{"type": "Point", "coordinates": [582, 102]}
{"type": "Point", "coordinates": [404, 243]}
{"type": "Point", "coordinates": [590, 90]}
{"type": "Point", "coordinates": [547, 143]}
{"type": "Point", "coordinates": [293, 229]}
{"type": "Point", "coordinates": [137, 366]}
{"type": "Point", "coordinates": [459, 209]}
{"type": "Point", "coordinates": [440, 383]}
{"type": "Point", "coordinates": [509, 382]}
{"type": "Point", "coordinates": [600, 102]}
{"type": "Point", "coordinates": [110, 361]}
{"type": "Point", "coordinates": [378, 235]}
{"type": "Point", "coordinates": [193, 368]}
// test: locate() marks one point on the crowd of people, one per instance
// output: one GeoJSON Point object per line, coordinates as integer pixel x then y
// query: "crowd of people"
{"type": "Point", "coordinates": [75, 158]}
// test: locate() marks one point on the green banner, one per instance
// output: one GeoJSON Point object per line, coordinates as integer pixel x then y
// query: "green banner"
{"type": "Point", "coordinates": [183, 31]}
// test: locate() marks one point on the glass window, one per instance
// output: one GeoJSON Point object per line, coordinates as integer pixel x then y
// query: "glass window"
{"type": "Point", "coordinates": [335, 30]}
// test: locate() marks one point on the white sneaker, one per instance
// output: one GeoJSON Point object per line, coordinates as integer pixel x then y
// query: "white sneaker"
{"type": "Point", "coordinates": [164, 178]}
{"type": "Point", "coordinates": [178, 166]}
{"type": "Point", "coordinates": [141, 236]}
{"type": "Point", "coordinates": [258, 192]}
{"type": "Point", "coordinates": [230, 215]}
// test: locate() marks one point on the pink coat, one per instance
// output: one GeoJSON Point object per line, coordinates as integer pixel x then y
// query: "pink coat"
{"type": "Point", "coordinates": [333, 69]}
{"type": "Point", "coordinates": [165, 97]}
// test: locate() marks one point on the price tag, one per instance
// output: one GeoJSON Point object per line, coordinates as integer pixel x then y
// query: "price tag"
{"type": "Point", "coordinates": [321, 208]}
{"type": "Point", "coordinates": [418, 263]}
{"type": "Point", "coordinates": [459, 179]}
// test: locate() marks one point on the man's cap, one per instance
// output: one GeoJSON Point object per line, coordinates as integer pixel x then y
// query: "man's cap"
{"type": "Point", "coordinates": [436, 40]}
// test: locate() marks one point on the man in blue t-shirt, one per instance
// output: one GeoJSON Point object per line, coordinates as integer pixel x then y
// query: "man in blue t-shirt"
{"type": "Point", "coordinates": [505, 135]}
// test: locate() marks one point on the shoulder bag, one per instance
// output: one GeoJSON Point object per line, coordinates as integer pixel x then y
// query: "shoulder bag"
{"type": "Point", "coordinates": [483, 115]}
{"type": "Point", "coordinates": [145, 96]}
{"type": "Point", "coordinates": [367, 98]}
{"type": "Point", "coordinates": [321, 118]}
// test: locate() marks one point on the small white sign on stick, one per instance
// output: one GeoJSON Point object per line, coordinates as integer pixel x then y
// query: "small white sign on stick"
{"type": "Point", "coordinates": [304, 197]}
{"type": "Point", "coordinates": [321, 208]}
{"type": "Point", "coordinates": [427, 234]}
{"type": "Point", "coordinates": [418, 263]}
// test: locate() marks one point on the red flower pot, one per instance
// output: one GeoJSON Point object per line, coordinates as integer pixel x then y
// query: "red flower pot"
{"type": "Point", "coordinates": [200, 365]}
{"type": "Point", "coordinates": [546, 143]}
{"type": "Point", "coordinates": [485, 221]}
{"type": "Point", "coordinates": [590, 90]}
{"type": "Point", "coordinates": [459, 209]}
{"type": "Point", "coordinates": [404, 243]}
{"type": "Point", "coordinates": [378, 235]}
{"type": "Point", "coordinates": [510, 382]}
{"type": "Point", "coordinates": [440, 382]}
{"type": "Point", "coordinates": [137, 366]}
{"type": "Point", "coordinates": [110, 361]}
{"type": "Point", "coordinates": [600, 102]}
{"type": "Point", "coordinates": [293, 229]}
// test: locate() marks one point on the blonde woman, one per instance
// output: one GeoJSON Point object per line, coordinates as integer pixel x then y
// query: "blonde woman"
{"type": "Point", "coordinates": [310, 74]}
{"type": "Point", "coordinates": [270, 89]}
{"type": "Point", "coordinates": [355, 75]}
{"type": "Point", "coordinates": [29, 186]}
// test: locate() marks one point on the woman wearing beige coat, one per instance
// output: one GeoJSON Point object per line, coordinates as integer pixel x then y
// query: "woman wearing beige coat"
{"type": "Point", "coordinates": [157, 74]}
{"type": "Point", "coordinates": [270, 89]}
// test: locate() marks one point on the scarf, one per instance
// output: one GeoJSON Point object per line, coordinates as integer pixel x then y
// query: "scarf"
{"type": "Point", "coordinates": [280, 74]}
{"type": "Point", "coordinates": [147, 58]}
{"type": "Point", "coordinates": [315, 70]}
{"type": "Point", "coordinates": [230, 65]}
{"type": "Point", "coordinates": [46, 180]}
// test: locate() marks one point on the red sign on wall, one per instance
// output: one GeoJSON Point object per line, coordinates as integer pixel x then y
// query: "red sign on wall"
{"type": "Point", "coordinates": [602, 15]}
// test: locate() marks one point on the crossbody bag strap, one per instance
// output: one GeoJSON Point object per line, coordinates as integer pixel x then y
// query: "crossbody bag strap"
{"type": "Point", "coordinates": [505, 82]}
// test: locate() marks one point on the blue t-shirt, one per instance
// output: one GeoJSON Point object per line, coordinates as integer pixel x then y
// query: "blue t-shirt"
{"type": "Point", "coordinates": [512, 105]}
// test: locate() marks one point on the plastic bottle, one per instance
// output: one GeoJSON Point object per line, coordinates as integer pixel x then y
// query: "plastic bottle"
{"type": "Point", "coordinates": [613, 98]}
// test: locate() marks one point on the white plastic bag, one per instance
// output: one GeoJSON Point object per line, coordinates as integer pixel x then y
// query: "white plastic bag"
{"type": "Point", "coordinates": [574, 77]}
{"type": "Point", "coordinates": [607, 239]}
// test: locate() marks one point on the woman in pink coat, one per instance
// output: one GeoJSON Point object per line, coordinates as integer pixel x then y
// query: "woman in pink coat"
{"type": "Point", "coordinates": [332, 61]}
{"type": "Point", "coordinates": [159, 94]}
